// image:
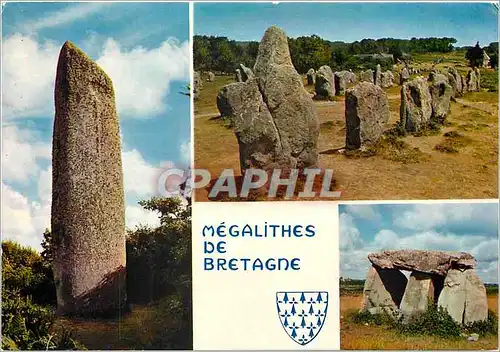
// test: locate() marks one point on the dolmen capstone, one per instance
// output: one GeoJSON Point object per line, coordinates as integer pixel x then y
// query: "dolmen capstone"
{"type": "Point", "coordinates": [310, 76]}
{"type": "Point", "coordinates": [366, 113]}
{"type": "Point", "coordinates": [324, 85]}
{"type": "Point", "coordinates": [446, 279]}
{"type": "Point", "coordinates": [88, 207]}
{"type": "Point", "coordinates": [273, 116]}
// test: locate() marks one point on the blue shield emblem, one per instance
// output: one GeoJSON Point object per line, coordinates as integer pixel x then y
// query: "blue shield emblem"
{"type": "Point", "coordinates": [302, 314]}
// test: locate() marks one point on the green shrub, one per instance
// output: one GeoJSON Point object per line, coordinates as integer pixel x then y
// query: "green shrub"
{"type": "Point", "coordinates": [486, 327]}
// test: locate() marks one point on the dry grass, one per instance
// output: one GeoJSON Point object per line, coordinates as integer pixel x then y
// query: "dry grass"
{"type": "Point", "coordinates": [410, 168]}
{"type": "Point", "coordinates": [371, 337]}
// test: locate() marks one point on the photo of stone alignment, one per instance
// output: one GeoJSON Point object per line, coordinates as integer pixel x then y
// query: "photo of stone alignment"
{"type": "Point", "coordinates": [419, 276]}
{"type": "Point", "coordinates": [396, 112]}
{"type": "Point", "coordinates": [92, 257]}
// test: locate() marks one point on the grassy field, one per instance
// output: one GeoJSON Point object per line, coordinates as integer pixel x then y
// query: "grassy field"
{"type": "Point", "coordinates": [458, 162]}
{"type": "Point", "coordinates": [372, 337]}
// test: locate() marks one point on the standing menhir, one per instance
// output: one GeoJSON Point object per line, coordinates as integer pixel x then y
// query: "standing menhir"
{"type": "Point", "coordinates": [246, 73]}
{"type": "Point", "coordinates": [325, 82]}
{"type": "Point", "coordinates": [441, 93]}
{"type": "Point", "coordinates": [237, 76]}
{"type": "Point", "coordinates": [416, 107]}
{"type": "Point", "coordinates": [366, 113]}
{"type": "Point", "coordinates": [366, 76]}
{"type": "Point", "coordinates": [404, 76]}
{"type": "Point", "coordinates": [88, 211]}
{"type": "Point", "coordinates": [378, 75]}
{"type": "Point", "coordinates": [310, 76]}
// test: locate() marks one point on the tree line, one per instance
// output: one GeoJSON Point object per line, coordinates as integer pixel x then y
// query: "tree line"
{"type": "Point", "coordinates": [221, 54]}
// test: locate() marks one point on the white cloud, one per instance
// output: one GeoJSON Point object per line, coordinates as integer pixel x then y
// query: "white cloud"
{"type": "Point", "coordinates": [65, 16]}
{"type": "Point", "coordinates": [363, 211]}
{"type": "Point", "coordinates": [28, 74]}
{"type": "Point", "coordinates": [20, 152]}
{"type": "Point", "coordinates": [349, 234]}
{"type": "Point", "coordinates": [139, 177]}
{"type": "Point", "coordinates": [142, 77]}
{"type": "Point", "coordinates": [185, 150]}
{"type": "Point", "coordinates": [136, 215]}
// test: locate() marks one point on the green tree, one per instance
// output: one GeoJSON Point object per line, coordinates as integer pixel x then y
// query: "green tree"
{"type": "Point", "coordinates": [475, 56]}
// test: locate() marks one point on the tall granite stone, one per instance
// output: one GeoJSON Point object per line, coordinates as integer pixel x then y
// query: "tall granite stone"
{"type": "Point", "coordinates": [237, 76]}
{"type": "Point", "coordinates": [404, 76]}
{"type": "Point", "coordinates": [441, 93]}
{"type": "Point", "coordinates": [472, 81]}
{"type": "Point", "coordinates": [88, 210]}
{"type": "Point", "coordinates": [325, 82]}
{"type": "Point", "coordinates": [246, 73]}
{"type": "Point", "coordinates": [386, 79]}
{"type": "Point", "coordinates": [416, 107]}
{"type": "Point", "coordinates": [383, 290]}
{"type": "Point", "coordinates": [476, 300]}
{"type": "Point", "coordinates": [274, 117]}
{"type": "Point", "coordinates": [197, 84]}
{"type": "Point", "coordinates": [366, 113]}
{"type": "Point", "coordinates": [455, 81]}
{"type": "Point", "coordinates": [366, 76]}
{"type": "Point", "coordinates": [378, 75]}
{"type": "Point", "coordinates": [310, 76]}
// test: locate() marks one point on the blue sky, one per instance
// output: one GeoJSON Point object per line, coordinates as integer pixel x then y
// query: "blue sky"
{"type": "Point", "coordinates": [143, 47]}
{"type": "Point", "coordinates": [350, 22]}
{"type": "Point", "coordinates": [467, 227]}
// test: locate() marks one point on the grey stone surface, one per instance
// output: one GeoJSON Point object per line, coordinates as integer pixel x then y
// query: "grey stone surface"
{"type": "Point", "coordinates": [378, 75]}
{"type": "Point", "coordinates": [431, 262]}
{"type": "Point", "coordinates": [416, 107]}
{"type": "Point", "coordinates": [197, 84]}
{"type": "Point", "coordinates": [366, 76]}
{"type": "Point", "coordinates": [441, 93]}
{"type": "Point", "coordinates": [325, 82]}
{"type": "Point", "coordinates": [366, 113]}
{"type": "Point", "coordinates": [386, 79]}
{"type": "Point", "coordinates": [404, 76]}
{"type": "Point", "coordinates": [419, 291]}
{"type": "Point", "coordinates": [88, 208]}
{"type": "Point", "coordinates": [210, 77]}
{"type": "Point", "coordinates": [311, 76]}
{"type": "Point", "coordinates": [383, 290]}
{"type": "Point", "coordinates": [238, 76]}
{"type": "Point", "coordinates": [476, 300]}
{"type": "Point", "coordinates": [246, 73]}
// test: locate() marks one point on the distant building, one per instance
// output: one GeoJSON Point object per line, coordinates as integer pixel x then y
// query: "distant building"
{"type": "Point", "coordinates": [376, 56]}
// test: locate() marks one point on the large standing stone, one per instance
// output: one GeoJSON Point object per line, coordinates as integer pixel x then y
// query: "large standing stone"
{"type": "Point", "coordinates": [441, 93]}
{"type": "Point", "coordinates": [476, 300]}
{"type": "Point", "coordinates": [416, 108]}
{"type": "Point", "coordinates": [435, 76]}
{"type": "Point", "coordinates": [228, 98]}
{"type": "Point", "coordinates": [197, 84]}
{"type": "Point", "coordinates": [310, 76]}
{"type": "Point", "coordinates": [210, 77]}
{"type": "Point", "coordinates": [325, 82]}
{"type": "Point", "coordinates": [238, 76]}
{"type": "Point", "coordinates": [246, 73]}
{"type": "Point", "coordinates": [366, 113]}
{"type": "Point", "coordinates": [472, 82]}
{"type": "Point", "coordinates": [431, 262]}
{"type": "Point", "coordinates": [387, 79]}
{"type": "Point", "coordinates": [383, 290]}
{"type": "Point", "coordinates": [464, 296]}
{"type": "Point", "coordinates": [478, 78]}
{"type": "Point", "coordinates": [420, 290]}
{"type": "Point", "coordinates": [378, 75]}
{"type": "Point", "coordinates": [366, 76]}
{"type": "Point", "coordinates": [404, 76]}
{"type": "Point", "coordinates": [455, 81]}
{"type": "Point", "coordinates": [274, 117]}
{"type": "Point", "coordinates": [88, 210]}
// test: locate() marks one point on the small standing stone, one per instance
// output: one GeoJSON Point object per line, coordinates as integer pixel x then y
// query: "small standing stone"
{"type": "Point", "coordinates": [310, 77]}
{"type": "Point", "coordinates": [325, 82]}
{"type": "Point", "coordinates": [416, 107]}
{"type": "Point", "coordinates": [211, 77]}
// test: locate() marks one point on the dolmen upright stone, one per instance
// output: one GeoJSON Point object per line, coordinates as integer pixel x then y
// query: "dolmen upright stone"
{"type": "Point", "coordinates": [324, 85]}
{"type": "Point", "coordinates": [383, 290]}
{"type": "Point", "coordinates": [274, 117]}
{"type": "Point", "coordinates": [416, 105]}
{"type": "Point", "coordinates": [88, 207]}
{"type": "Point", "coordinates": [443, 279]}
{"type": "Point", "coordinates": [366, 113]}
{"type": "Point", "coordinates": [246, 73]}
{"type": "Point", "coordinates": [310, 76]}
{"type": "Point", "coordinates": [441, 93]}
{"type": "Point", "coordinates": [378, 75]}
{"type": "Point", "coordinates": [386, 79]}
{"type": "Point", "coordinates": [238, 77]}
{"type": "Point", "coordinates": [366, 76]}
{"type": "Point", "coordinates": [404, 76]}
{"type": "Point", "coordinates": [464, 296]}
